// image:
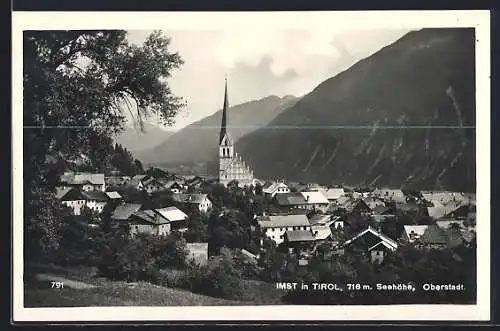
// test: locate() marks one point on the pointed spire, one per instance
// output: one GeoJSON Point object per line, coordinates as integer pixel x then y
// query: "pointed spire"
{"type": "Point", "coordinates": [224, 114]}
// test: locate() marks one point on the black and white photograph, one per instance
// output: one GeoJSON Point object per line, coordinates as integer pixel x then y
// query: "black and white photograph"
{"type": "Point", "coordinates": [263, 166]}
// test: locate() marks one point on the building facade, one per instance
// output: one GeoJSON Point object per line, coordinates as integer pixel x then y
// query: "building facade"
{"type": "Point", "coordinates": [231, 165]}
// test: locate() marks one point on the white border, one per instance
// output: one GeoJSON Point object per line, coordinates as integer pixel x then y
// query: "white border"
{"type": "Point", "coordinates": [296, 20]}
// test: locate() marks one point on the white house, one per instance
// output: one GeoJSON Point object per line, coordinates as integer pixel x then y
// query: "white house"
{"type": "Point", "coordinates": [276, 188]}
{"type": "Point", "coordinates": [84, 181]}
{"type": "Point", "coordinates": [95, 200]}
{"type": "Point", "coordinates": [316, 200]}
{"type": "Point", "coordinates": [374, 242]}
{"type": "Point", "coordinates": [176, 217]}
{"type": "Point", "coordinates": [72, 198]}
{"type": "Point", "coordinates": [200, 200]}
{"type": "Point", "coordinates": [274, 227]}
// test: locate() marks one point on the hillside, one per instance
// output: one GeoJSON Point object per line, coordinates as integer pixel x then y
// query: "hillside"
{"type": "Point", "coordinates": [198, 141]}
{"type": "Point", "coordinates": [381, 121]}
{"type": "Point", "coordinates": [136, 141]}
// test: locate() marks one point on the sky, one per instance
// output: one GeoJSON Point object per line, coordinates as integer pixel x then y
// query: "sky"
{"type": "Point", "coordinates": [260, 62]}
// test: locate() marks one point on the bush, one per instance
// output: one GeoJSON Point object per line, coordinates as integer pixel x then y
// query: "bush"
{"type": "Point", "coordinates": [219, 278]}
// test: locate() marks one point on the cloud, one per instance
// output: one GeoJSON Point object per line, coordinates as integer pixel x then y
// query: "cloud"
{"type": "Point", "coordinates": [260, 62]}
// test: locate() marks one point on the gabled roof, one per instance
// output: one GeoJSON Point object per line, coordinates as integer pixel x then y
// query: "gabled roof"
{"type": "Point", "coordinates": [433, 235]}
{"type": "Point", "coordinates": [172, 214]}
{"type": "Point", "coordinates": [279, 221]}
{"type": "Point", "coordinates": [315, 197]}
{"type": "Point", "coordinates": [148, 216]}
{"type": "Point", "coordinates": [290, 199]}
{"type": "Point", "coordinates": [333, 193]}
{"type": "Point", "coordinates": [299, 235]}
{"type": "Point", "coordinates": [61, 192]}
{"type": "Point", "coordinates": [69, 194]}
{"type": "Point", "coordinates": [195, 198]}
{"type": "Point", "coordinates": [380, 243]}
{"type": "Point", "coordinates": [416, 230]}
{"type": "Point", "coordinates": [380, 235]}
{"type": "Point", "coordinates": [273, 188]}
{"type": "Point", "coordinates": [151, 181]}
{"type": "Point", "coordinates": [123, 212]}
{"type": "Point", "coordinates": [98, 196]}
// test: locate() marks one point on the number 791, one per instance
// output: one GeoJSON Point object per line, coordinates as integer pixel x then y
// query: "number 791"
{"type": "Point", "coordinates": [57, 284]}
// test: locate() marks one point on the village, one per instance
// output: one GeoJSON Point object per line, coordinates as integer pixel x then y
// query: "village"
{"type": "Point", "coordinates": [297, 216]}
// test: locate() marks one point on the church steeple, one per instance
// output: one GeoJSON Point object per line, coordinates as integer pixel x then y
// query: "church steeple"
{"type": "Point", "coordinates": [223, 128]}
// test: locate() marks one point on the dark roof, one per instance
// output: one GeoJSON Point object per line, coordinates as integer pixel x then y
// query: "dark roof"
{"type": "Point", "coordinates": [123, 212]}
{"type": "Point", "coordinates": [299, 235]}
{"type": "Point", "coordinates": [69, 194]}
{"type": "Point", "coordinates": [290, 199]}
{"type": "Point", "coordinates": [95, 195]}
{"type": "Point", "coordinates": [433, 235]}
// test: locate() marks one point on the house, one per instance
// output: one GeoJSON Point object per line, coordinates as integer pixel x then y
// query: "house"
{"type": "Point", "coordinates": [372, 242]}
{"type": "Point", "coordinates": [333, 194]}
{"type": "Point", "coordinates": [379, 251]}
{"type": "Point", "coordinates": [137, 181]}
{"type": "Point", "coordinates": [299, 240]}
{"type": "Point", "coordinates": [291, 200]}
{"type": "Point", "coordinates": [152, 185]}
{"type": "Point", "coordinates": [356, 206]}
{"type": "Point", "coordinates": [195, 182]}
{"type": "Point", "coordinates": [84, 181]}
{"type": "Point", "coordinates": [440, 211]}
{"type": "Point", "coordinates": [382, 210]}
{"type": "Point", "coordinates": [414, 232]}
{"type": "Point", "coordinates": [124, 211]}
{"type": "Point", "coordinates": [72, 198]}
{"type": "Point", "coordinates": [176, 217]}
{"type": "Point", "coordinates": [316, 200]}
{"type": "Point", "coordinates": [373, 203]}
{"type": "Point", "coordinates": [443, 197]}
{"type": "Point", "coordinates": [394, 195]}
{"type": "Point", "coordinates": [173, 186]}
{"type": "Point", "coordinates": [201, 201]}
{"type": "Point", "coordinates": [276, 188]}
{"type": "Point", "coordinates": [432, 238]}
{"type": "Point", "coordinates": [274, 227]}
{"type": "Point", "coordinates": [95, 200]}
{"type": "Point", "coordinates": [116, 180]}
{"type": "Point", "coordinates": [148, 221]}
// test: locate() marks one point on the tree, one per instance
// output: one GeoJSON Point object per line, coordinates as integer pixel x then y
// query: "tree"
{"type": "Point", "coordinates": [77, 85]}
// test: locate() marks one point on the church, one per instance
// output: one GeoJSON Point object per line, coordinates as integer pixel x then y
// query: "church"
{"type": "Point", "coordinates": [231, 165]}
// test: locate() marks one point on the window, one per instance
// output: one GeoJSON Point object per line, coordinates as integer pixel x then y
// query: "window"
{"type": "Point", "coordinates": [281, 237]}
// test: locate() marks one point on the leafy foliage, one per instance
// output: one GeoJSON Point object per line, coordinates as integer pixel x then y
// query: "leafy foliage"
{"type": "Point", "coordinates": [76, 87]}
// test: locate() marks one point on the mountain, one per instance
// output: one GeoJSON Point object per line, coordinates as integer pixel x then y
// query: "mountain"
{"type": "Point", "coordinates": [399, 118]}
{"type": "Point", "coordinates": [136, 141]}
{"type": "Point", "coordinates": [198, 142]}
